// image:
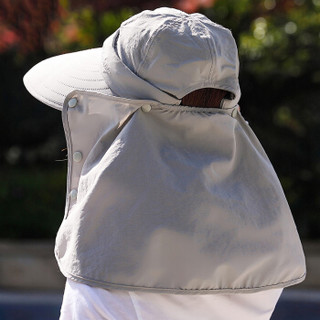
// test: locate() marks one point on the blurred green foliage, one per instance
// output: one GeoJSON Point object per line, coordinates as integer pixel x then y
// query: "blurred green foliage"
{"type": "Point", "coordinates": [31, 205]}
{"type": "Point", "coordinates": [84, 28]}
{"type": "Point", "coordinates": [279, 43]}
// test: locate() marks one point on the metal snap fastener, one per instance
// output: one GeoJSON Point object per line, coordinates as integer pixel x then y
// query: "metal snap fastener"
{"type": "Point", "coordinates": [72, 102]}
{"type": "Point", "coordinates": [73, 194]}
{"type": "Point", "coordinates": [77, 156]}
{"type": "Point", "coordinates": [146, 108]}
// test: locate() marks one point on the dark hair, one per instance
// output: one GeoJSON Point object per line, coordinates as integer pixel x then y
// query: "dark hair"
{"type": "Point", "coordinates": [204, 98]}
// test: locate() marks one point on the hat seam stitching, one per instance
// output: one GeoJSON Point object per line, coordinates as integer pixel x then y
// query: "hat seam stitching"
{"type": "Point", "coordinates": [212, 56]}
{"type": "Point", "coordinates": [117, 60]}
{"type": "Point", "coordinates": [59, 93]}
{"type": "Point", "coordinates": [151, 41]}
{"type": "Point", "coordinates": [82, 79]}
{"type": "Point", "coordinates": [84, 89]}
{"type": "Point", "coordinates": [186, 108]}
{"type": "Point", "coordinates": [36, 92]}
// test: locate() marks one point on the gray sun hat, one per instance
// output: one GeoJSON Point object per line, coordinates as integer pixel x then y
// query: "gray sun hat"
{"type": "Point", "coordinates": [160, 55]}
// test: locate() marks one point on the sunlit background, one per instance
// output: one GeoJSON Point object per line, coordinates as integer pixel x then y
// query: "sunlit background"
{"type": "Point", "coordinates": [279, 49]}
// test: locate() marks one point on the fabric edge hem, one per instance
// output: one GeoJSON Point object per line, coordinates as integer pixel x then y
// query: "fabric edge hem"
{"type": "Point", "coordinates": [109, 285]}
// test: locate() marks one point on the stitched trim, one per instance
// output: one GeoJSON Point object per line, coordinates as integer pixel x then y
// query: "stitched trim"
{"type": "Point", "coordinates": [67, 132]}
{"type": "Point", "coordinates": [182, 290]}
{"type": "Point", "coordinates": [56, 92]}
{"type": "Point", "coordinates": [84, 89]}
{"type": "Point", "coordinates": [44, 99]}
{"type": "Point", "coordinates": [175, 108]}
{"type": "Point", "coordinates": [89, 80]}
{"type": "Point", "coordinates": [213, 57]}
{"type": "Point", "coordinates": [148, 46]}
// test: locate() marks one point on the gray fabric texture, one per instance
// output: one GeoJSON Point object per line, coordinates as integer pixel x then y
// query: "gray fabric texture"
{"type": "Point", "coordinates": [162, 197]}
{"type": "Point", "coordinates": [172, 199]}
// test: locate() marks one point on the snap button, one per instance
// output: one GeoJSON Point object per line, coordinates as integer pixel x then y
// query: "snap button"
{"type": "Point", "coordinates": [234, 112]}
{"type": "Point", "coordinates": [72, 102]}
{"type": "Point", "coordinates": [146, 108]}
{"type": "Point", "coordinates": [77, 156]}
{"type": "Point", "coordinates": [73, 194]}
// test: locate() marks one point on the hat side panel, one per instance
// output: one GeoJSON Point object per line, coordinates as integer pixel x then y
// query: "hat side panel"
{"type": "Point", "coordinates": [178, 58]}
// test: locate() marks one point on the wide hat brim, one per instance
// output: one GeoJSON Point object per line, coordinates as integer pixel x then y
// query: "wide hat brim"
{"type": "Point", "coordinates": [51, 80]}
{"type": "Point", "coordinates": [164, 78]}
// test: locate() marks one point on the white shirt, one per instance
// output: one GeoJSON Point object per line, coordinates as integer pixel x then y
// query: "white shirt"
{"type": "Point", "coordinates": [82, 302]}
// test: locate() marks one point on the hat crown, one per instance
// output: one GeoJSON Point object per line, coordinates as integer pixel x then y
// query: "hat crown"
{"type": "Point", "coordinates": [179, 52]}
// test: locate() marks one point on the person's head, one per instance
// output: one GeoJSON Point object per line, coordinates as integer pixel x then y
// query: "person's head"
{"type": "Point", "coordinates": [164, 55]}
{"type": "Point", "coordinates": [185, 55]}
{"type": "Point", "coordinates": [205, 98]}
